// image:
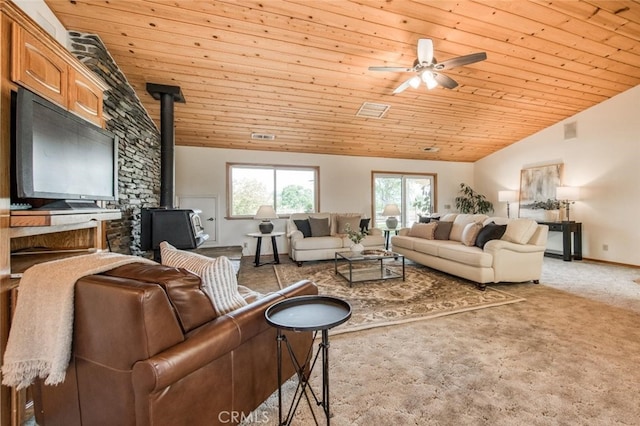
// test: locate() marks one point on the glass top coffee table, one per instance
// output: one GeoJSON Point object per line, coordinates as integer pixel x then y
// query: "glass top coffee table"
{"type": "Point", "coordinates": [368, 265]}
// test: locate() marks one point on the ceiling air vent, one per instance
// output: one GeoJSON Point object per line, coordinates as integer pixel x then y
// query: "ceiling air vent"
{"type": "Point", "coordinates": [262, 136]}
{"type": "Point", "coordinates": [371, 110]}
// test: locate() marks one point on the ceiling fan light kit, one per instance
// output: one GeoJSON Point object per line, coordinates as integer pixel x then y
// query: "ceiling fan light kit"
{"type": "Point", "coordinates": [426, 64]}
{"type": "Point", "coordinates": [429, 80]}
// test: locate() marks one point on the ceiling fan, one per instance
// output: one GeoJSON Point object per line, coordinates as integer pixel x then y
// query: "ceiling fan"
{"type": "Point", "coordinates": [428, 68]}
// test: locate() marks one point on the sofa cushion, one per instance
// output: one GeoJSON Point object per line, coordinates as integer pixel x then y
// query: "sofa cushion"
{"type": "Point", "coordinates": [218, 276]}
{"type": "Point", "coordinates": [423, 230]}
{"type": "Point", "coordinates": [470, 233]}
{"type": "Point", "coordinates": [461, 221]}
{"type": "Point", "coordinates": [448, 217]}
{"type": "Point", "coordinates": [343, 221]}
{"type": "Point", "coordinates": [443, 230]}
{"type": "Point", "coordinates": [183, 288]}
{"type": "Point", "coordinates": [489, 232]}
{"type": "Point", "coordinates": [303, 226]}
{"type": "Point", "coordinates": [520, 231]}
{"type": "Point", "coordinates": [460, 253]}
{"type": "Point", "coordinates": [403, 241]}
{"type": "Point", "coordinates": [429, 247]}
{"type": "Point", "coordinates": [319, 227]}
{"type": "Point", "coordinates": [319, 243]}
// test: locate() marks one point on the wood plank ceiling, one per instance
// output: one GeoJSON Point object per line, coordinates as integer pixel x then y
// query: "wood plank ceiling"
{"type": "Point", "coordinates": [298, 69]}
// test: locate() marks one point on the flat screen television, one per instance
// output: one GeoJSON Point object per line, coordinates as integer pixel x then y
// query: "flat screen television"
{"type": "Point", "coordinates": [59, 156]}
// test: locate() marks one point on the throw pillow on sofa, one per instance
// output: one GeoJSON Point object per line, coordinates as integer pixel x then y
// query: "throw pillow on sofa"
{"type": "Point", "coordinates": [462, 220]}
{"type": "Point", "coordinates": [520, 231]}
{"type": "Point", "coordinates": [304, 227]}
{"type": "Point", "coordinates": [442, 230]}
{"type": "Point", "coordinates": [218, 277]}
{"type": "Point", "coordinates": [423, 230]}
{"type": "Point", "coordinates": [319, 227]}
{"type": "Point", "coordinates": [489, 232]}
{"type": "Point", "coordinates": [470, 233]}
{"type": "Point", "coordinates": [352, 221]}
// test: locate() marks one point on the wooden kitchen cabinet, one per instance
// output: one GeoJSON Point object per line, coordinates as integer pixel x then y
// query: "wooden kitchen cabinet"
{"type": "Point", "coordinates": [36, 67]}
{"type": "Point", "coordinates": [40, 65]}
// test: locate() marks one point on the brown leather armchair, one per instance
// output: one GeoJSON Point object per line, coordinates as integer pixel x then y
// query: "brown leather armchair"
{"type": "Point", "coordinates": [148, 349]}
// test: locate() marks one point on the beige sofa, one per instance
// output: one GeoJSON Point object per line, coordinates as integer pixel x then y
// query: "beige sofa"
{"type": "Point", "coordinates": [515, 257]}
{"type": "Point", "coordinates": [308, 248]}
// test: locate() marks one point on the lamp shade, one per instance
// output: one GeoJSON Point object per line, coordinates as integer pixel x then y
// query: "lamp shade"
{"type": "Point", "coordinates": [567, 193]}
{"type": "Point", "coordinates": [507, 196]}
{"type": "Point", "coordinates": [391, 210]}
{"type": "Point", "coordinates": [266, 213]}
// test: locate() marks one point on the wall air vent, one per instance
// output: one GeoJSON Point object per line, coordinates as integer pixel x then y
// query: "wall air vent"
{"type": "Point", "coordinates": [262, 136]}
{"type": "Point", "coordinates": [371, 110]}
{"type": "Point", "coordinates": [431, 149]}
{"type": "Point", "coordinates": [570, 130]}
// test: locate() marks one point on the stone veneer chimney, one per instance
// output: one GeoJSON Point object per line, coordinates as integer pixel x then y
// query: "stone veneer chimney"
{"type": "Point", "coordinates": [139, 149]}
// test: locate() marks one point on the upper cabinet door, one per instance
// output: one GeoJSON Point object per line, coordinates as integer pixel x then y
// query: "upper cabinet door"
{"type": "Point", "coordinates": [37, 67]}
{"type": "Point", "coordinates": [53, 73]}
{"type": "Point", "coordinates": [85, 98]}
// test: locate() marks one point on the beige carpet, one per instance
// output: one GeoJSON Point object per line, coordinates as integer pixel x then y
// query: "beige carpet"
{"type": "Point", "coordinates": [424, 294]}
{"type": "Point", "coordinates": [569, 355]}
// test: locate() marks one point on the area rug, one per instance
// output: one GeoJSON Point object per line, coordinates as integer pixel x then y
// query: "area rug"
{"type": "Point", "coordinates": [424, 294]}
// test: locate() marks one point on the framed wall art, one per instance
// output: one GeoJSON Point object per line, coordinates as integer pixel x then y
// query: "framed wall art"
{"type": "Point", "coordinates": [538, 184]}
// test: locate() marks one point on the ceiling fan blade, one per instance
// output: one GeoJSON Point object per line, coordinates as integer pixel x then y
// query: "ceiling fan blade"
{"type": "Point", "coordinates": [445, 81]}
{"type": "Point", "coordinates": [392, 69]}
{"type": "Point", "coordinates": [425, 51]}
{"type": "Point", "coordinates": [461, 60]}
{"type": "Point", "coordinates": [403, 86]}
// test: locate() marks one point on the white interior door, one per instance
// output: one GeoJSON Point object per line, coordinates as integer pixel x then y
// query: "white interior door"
{"type": "Point", "coordinates": [208, 205]}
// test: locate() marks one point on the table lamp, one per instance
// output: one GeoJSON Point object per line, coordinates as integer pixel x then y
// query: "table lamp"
{"type": "Point", "coordinates": [391, 211]}
{"type": "Point", "coordinates": [265, 214]}
{"type": "Point", "coordinates": [567, 195]}
{"type": "Point", "coordinates": [508, 197]}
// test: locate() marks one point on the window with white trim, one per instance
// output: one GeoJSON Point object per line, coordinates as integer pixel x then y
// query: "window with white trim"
{"type": "Point", "coordinates": [289, 189]}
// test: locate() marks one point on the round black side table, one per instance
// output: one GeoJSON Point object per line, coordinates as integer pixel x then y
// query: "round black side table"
{"type": "Point", "coordinates": [307, 313]}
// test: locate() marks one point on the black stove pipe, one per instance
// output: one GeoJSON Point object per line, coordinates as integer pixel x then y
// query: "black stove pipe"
{"type": "Point", "coordinates": [167, 96]}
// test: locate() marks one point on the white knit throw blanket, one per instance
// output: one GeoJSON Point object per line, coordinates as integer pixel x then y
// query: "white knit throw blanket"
{"type": "Point", "coordinates": [41, 332]}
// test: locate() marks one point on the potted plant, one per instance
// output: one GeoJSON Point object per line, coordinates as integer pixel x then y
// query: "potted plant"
{"type": "Point", "coordinates": [551, 209]}
{"type": "Point", "coordinates": [469, 201]}
{"type": "Point", "coordinates": [356, 238]}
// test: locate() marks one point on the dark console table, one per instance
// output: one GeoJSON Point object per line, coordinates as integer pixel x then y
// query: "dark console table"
{"type": "Point", "coordinates": [567, 229]}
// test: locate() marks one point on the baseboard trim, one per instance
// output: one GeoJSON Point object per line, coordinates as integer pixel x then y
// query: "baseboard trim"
{"type": "Point", "coordinates": [608, 262]}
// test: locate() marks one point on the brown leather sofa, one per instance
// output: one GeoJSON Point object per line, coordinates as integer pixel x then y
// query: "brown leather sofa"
{"type": "Point", "coordinates": [149, 350]}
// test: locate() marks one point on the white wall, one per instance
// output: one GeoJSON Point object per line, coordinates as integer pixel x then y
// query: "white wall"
{"type": "Point", "coordinates": [604, 161]}
{"type": "Point", "coordinates": [345, 183]}
{"type": "Point", "coordinates": [40, 12]}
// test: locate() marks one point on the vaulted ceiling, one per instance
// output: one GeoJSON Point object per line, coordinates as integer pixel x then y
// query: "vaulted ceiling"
{"type": "Point", "coordinates": [298, 69]}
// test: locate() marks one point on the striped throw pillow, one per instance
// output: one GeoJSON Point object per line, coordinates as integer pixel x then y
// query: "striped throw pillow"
{"type": "Point", "coordinates": [218, 277]}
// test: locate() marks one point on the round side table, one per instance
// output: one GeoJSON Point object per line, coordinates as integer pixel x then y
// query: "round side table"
{"type": "Point", "coordinates": [306, 313]}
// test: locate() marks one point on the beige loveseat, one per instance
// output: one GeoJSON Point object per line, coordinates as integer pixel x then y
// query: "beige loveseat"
{"type": "Point", "coordinates": [515, 256]}
{"type": "Point", "coordinates": [324, 247]}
